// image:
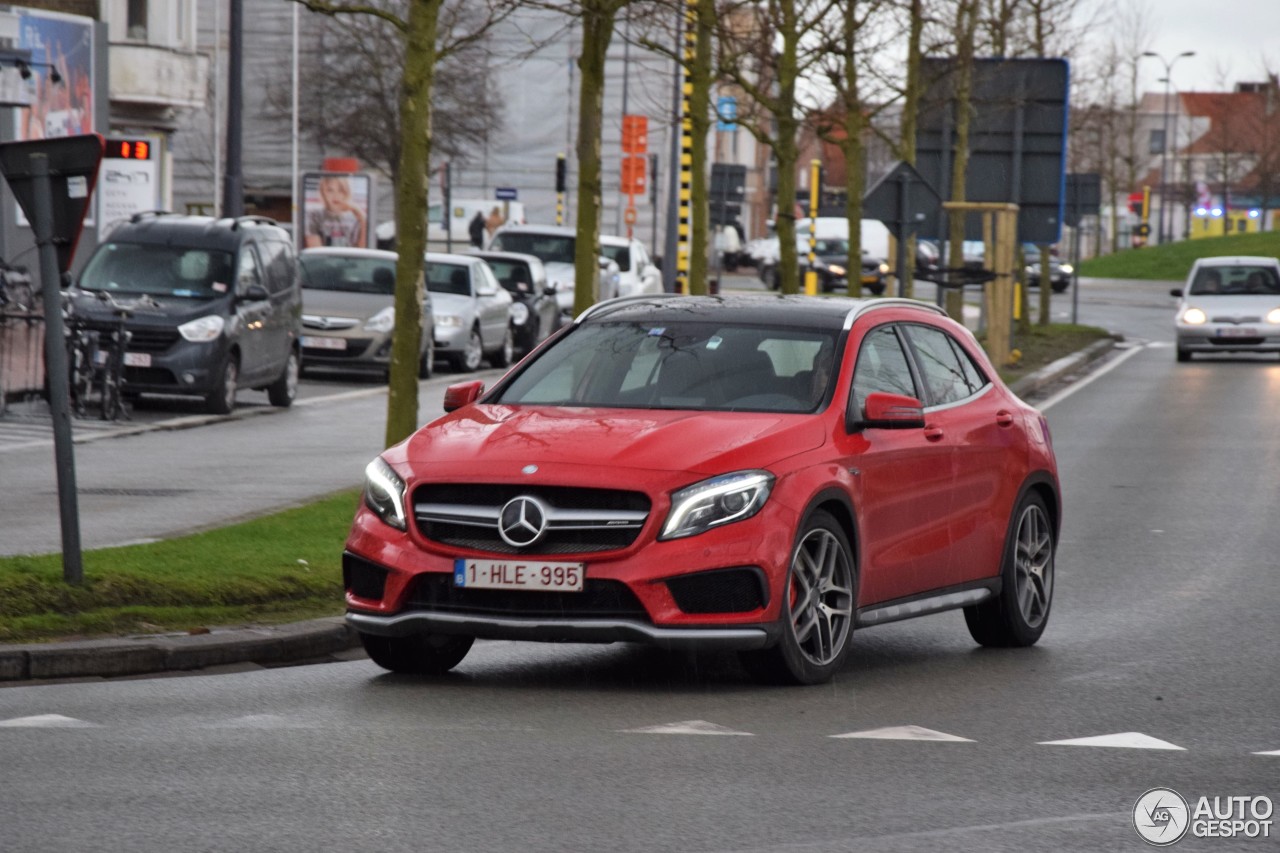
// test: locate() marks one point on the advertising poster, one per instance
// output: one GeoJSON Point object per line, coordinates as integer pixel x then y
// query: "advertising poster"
{"type": "Point", "coordinates": [336, 209]}
{"type": "Point", "coordinates": [61, 103]}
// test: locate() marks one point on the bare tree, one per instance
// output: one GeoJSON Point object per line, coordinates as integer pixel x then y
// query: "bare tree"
{"type": "Point", "coordinates": [353, 67]}
{"type": "Point", "coordinates": [431, 30]}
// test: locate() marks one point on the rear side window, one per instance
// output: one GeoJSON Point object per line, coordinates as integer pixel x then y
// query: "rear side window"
{"type": "Point", "coordinates": [249, 270]}
{"type": "Point", "coordinates": [882, 367]}
{"type": "Point", "coordinates": [279, 265]}
{"type": "Point", "coordinates": [941, 367]}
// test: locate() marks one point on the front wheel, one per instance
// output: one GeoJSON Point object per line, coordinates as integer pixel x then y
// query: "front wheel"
{"type": "Point", "coordinates": [468, 361]}
{"type": "Point", "coordinates": [222, 399]}
{"type": "Point", "coordinates": [417, 654]}
{"type": "Point", "coordinates": [1018, 615]}
{"type": "Point", "coordinates": [282, 392]}
{"type": "Point", "coordinates": [817, 609]}
{"type": "Point", "coordinates": [1184, 355]}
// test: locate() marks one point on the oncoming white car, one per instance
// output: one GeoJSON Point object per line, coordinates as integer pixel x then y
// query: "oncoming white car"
{"type": "Point", "coordinates": [1229, 304]}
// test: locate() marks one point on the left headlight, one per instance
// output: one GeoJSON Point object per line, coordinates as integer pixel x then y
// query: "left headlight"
{"type": "Point", "coordinates": [519, 313]}
{"type": "Point", "coordinates": [384, 493]}
{"type": "Point", "coordinates": [449, 321]}
{"type": "Point", "coordinates": [720, 500]}
{"type": "Point", "coordinates": [383, 321]}
{"type": "Point", "coordinates": [835, 269]}
{"type": "Point", "coordinates": [884, 269]}
{"type": "Point", "coordinates": [202, 329]}
{"type": "Point", "coordinates": [1067, 269]}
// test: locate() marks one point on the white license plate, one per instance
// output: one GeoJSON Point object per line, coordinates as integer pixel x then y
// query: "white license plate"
{"type": "Point", "coordinates": [131, 359]}
{"type": "Point", "coordinates": [519, 574]}
{"type": "Point", "coordinates": [1243, 332]}
{"type": "Point", "coordinates": [312, 342]}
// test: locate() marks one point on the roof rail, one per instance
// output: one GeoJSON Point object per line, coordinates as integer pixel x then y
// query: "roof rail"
{"type": "Point", "coordinates": [143, 214]}
{"type": "Point", "coordinates": [890, 302]}
{"type": "Point", "coordinates": [254, 219]}
{"type": "Point", "coordinates": [619, 301]}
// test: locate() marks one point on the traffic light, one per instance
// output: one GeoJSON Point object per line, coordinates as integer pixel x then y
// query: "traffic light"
{"type": "Point", "coordinates": [560, 173]}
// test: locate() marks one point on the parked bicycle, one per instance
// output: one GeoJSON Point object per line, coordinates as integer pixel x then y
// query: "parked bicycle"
{"type": "Point", "coordinates": [96, 359]}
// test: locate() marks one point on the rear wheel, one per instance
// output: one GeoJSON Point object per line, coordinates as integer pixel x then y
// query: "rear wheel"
{"type": "Point", "coordinates": [222, 399]}
{"type": "Point", "coordinates": [417, 654]}
{"type": "Point", "coordinates": [1018, 615]}
{"type": "Point", "coordinates": [817, 609]}
{"type": "Point", "coordinates": [503, 355]}
{"type": "Point", "coordinates": [426, 363]}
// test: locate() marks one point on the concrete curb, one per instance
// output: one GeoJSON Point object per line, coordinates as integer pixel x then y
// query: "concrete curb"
{"type": "Point", "coordinates": [1063, 367]}
{"type": "Point", "coordinates": [114, 657]}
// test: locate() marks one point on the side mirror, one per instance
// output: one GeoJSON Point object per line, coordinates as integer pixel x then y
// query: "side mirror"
{"type": "Point", "coordinates": [549, 289]}
{"type": "Point", "coordinates": [892, 411]}
{"type": "Point", "coordinates": [1177, 291]}
{"type": "Point", "coordinates": [462, 394]}
{"type": "Point", "coordinates": [255, 293]}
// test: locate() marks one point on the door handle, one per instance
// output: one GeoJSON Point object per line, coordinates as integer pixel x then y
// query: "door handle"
{"type": "Point", "coordinates": [933, 433]}
{"type": "Point", "coordinates": [1004, 418]}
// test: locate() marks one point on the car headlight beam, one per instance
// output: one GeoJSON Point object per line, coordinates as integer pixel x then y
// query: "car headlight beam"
{"type": "Point", "coordinates": [1194, 317]}
{"type": "Point", "coordinates": [1273, 316]}
{"type": "Point", "coordinates": [384, 493]}
{"type": "Point", "coordinates": [715, 502]}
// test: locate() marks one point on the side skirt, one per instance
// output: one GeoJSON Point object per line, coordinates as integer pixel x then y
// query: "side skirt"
{"type": "Point", "coordinates": [937, 601]}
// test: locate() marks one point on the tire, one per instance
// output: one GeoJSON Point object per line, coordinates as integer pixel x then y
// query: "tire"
{"type": "Point", "coordinates": [503, 355]}
{"type": "Point", "coordinates": [876, 289]}
{"type": "Point", "coordinates": [468, 361]}
{"type": "Point", "coordinates": [222, 399]}
{"type": "Point", "coordinates": [426, 363]}
{"type": "Point", "coordinates": [1184, 355]}
{"type": "Point", "coordinates": [1061, 288]}
{"type": "Point", "coordinates": [282, 392]}
{"type": "Point", "coordinates": [417, 654]}
{"type": "Point", "coordinates": [822, 583]}
{"type": "Point", "coordinates": [1019, 614]}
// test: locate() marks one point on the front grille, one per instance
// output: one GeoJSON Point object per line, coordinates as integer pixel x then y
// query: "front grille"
{"type": "Point", "coordinates": [363, 578]}
{"type": "Point", "coordinates": [598, 599]}
{"type": "Point", "coordinates": [580, 520]}
{"type": "Point", "coordinates": [722, 591]}
{"type": "Point", "coordinates": [152, 340]}
{"type": "Point", "coordinates": [1237, 321]}
{"type": "Point", "coordinates": [1235, 342]}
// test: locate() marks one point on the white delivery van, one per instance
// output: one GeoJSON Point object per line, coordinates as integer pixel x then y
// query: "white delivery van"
{"type": "Point", "coordinates": [461, 212]}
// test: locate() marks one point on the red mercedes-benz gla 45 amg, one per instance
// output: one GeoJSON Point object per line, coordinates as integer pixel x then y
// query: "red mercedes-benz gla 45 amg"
{"type": "Point", "coordinates": [755, 473]}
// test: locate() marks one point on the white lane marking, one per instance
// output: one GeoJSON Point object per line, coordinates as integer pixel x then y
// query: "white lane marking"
{"type": "Point", "coordinates": [688, 727]}
{"type": "Point", "coordinates": [1272, 752]}
{"type": "Point", "coordinates": [906, 733]}
{"type": "Point", "coordinates": [1122, 740]}
{"type": "Point", "coordinates": [1085, 382]}
{"type": "Point", "coordinates": [47, 721]}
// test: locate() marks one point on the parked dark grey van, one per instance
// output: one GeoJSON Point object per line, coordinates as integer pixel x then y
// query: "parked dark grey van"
{"type": "Point", "coordinates": [215, 305]}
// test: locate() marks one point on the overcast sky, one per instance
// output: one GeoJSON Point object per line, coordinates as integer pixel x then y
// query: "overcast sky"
{"type": "Point", "coordinates": [1231, 38]}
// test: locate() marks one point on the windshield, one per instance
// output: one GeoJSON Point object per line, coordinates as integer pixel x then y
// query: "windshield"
{"type": "Point", "coordinates": [621, 255]}
{"type": "Point", "coordinates": [700, 365]}
{"type": "Point", "coordinates": [353, 275]}
{"type": "Point", "coordinates": [448, 278]}
{"type": "Point", "coordinates": [158, 270]}
{"type": "Point", "coordinates": [548, 248]}
{"type": "Point", "coordinates": [1224, 280]}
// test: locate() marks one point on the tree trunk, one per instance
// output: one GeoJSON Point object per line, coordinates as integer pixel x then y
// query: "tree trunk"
{"type": "Point", "coordinates": [854, 151]}
{"type": "Point", "coordinates": [907, 141]}
{"type": "Point", "coordinates": [966, 22]}
{"type": "Point", "coordinates": [597, 30]}
{"type": "Point", "coordinates": [411, 217]}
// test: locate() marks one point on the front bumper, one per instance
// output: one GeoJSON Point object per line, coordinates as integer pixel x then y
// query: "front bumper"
{"type": "Point", "coordinates": [559, 630]}
{"type": "Point", "coordinates": [451, 339]}
{"type": "Point", "coordinates": [184, 368]}
{"type": "Point", "coordinates": [360, 350]}
{"type": "Point", "coordinates": [1222, 337]}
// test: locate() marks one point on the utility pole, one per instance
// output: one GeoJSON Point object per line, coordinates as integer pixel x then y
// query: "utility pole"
{"type": "Point", "coordinates": [233, 181]}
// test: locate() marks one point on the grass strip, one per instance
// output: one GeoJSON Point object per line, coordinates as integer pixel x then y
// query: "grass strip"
{"type": "Point", "coordinates": [1172, 261]}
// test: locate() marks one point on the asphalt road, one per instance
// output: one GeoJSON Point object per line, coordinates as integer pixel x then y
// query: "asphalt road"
{"type": "Point", "coordinates": [1161, 642]}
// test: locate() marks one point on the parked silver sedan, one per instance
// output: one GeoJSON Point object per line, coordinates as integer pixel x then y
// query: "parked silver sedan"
{"type": "Point", "coordinates": [472, 312]}
{"type": "Point", "coordinates": [1229, 304]}
{"type": "Point", "coordinates": [348, 305]}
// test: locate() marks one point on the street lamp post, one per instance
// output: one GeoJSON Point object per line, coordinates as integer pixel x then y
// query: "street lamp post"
{"type": "Point", "coordinates": [1164, 142]}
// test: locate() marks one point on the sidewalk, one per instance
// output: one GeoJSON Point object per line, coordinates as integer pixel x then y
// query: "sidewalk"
{"type": "Point", "coordinates": [227, 649]}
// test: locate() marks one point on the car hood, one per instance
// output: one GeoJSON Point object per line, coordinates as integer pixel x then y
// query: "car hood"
{"type": "Point", "coordinates": [451, 303]}
{"type": "Point", "coordinates": [342, 303]}
{"type": "Point", "coordinates": [159, 310]}
{"type": "Point", "coordinates": [580, 443]}
{"type": "Point", "coordinates": [558, 271]}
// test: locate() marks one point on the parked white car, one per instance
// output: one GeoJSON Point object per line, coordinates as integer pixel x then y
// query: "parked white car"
{"type": "Point", "coordinates": [472, 312]}
{"type": "Point", "coordinates": [636, 272]}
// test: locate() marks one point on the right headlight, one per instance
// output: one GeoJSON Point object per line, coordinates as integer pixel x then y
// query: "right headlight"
{"type": "Point", "coordinates": [1194, 317]}
{"type": "Point", "coordinates": [202, 329]}
{"type": "Point", "coordinates": [720, 500]}
{"type": "Point", "coordinates": [384, 493]}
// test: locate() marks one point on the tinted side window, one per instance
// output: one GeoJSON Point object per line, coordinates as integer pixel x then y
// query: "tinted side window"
{"type": "Point", "coordinates": [281, 266]}
{"type": "Point", "coordinates": [249, 270]}
{"type": "Point", "coordinates": [940, 366]}
{"type": "Point", "coordinates": [882, 367]}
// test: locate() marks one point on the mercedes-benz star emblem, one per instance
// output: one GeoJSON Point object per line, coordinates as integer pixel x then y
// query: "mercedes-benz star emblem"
{"type": "Point", "coordinates": [522, 521]}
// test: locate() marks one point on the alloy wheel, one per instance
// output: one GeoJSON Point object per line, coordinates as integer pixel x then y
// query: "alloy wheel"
{"type": "Point", "coordinates": [821, 597]}
{"type": "Point", "coordinates": [1033, 565]}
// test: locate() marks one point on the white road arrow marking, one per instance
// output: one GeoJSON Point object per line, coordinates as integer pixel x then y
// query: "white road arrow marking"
{"type": "Point", "coordinates": [905, 733]}
{"type": "Point", "coordinates": [48, 721]}
{"type": "Point", "coordinates": [688, 727]}
{"type": "Point", "coordinates": [1122, 740]}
